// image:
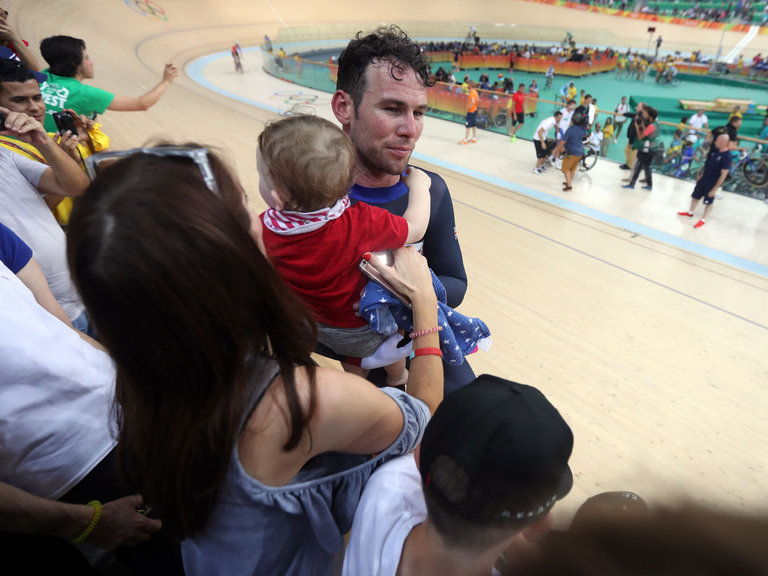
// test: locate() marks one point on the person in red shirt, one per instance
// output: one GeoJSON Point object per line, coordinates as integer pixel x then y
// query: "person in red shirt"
{"type": "Point", "coordinates": [315, 238]}
{"type": "Point", "coordinates": [471, 121]}
{"type": "Point", "coordinates": [517, 112]}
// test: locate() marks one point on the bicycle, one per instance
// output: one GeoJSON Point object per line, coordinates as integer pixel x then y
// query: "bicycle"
{"type": "Point", "coordinates": [754, 171]}
{"type": "Point", "coordinates": [238, 64]}
{"type": "Point", "coordinates": [745, 175]}
{"type": "Point", "coordinates": [674, 81]}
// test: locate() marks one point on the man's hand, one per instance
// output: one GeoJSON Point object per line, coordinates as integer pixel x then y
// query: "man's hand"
{"type": "Point", "coordinates": [121, 525]}
{"type": "Point", "coordinates": [24, 127]}
{"type": "Point", "coordinates": [68, 143]}
{"type": "Point", "coordinates": [83, 125]}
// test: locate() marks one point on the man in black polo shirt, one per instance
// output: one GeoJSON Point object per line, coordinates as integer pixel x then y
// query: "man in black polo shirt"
{"type": "Point", "coordinates": [716, 170]}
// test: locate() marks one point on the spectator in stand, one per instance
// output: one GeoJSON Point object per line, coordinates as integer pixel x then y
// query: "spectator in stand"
{"type": "Point", "coordinates": [607, 136]}
{"type": "Point", "coordinates": [732, 129]}
{"type": "Point", "coordinates": [59, 485]}
{"type": "Point", "coordinates": [20, 92]}
{"type": "Point", "coordinates": [491, 466]}
{"type": "Point", "coordinates": [693, 540]}
{"type": "Point", "coordinates": [542, 143]}
{"type": "Point", "coordinates": [517, 111]}
{"type": "Point", "coordinates": [69, 64]}
{"type": "Point", "coordinates": [470, 122]}
{"type": "Point", "coordinates": [10, 39]}
{"type": "Point", "coordinates": [697, 124]}
{"type": "Point", "coordinates": [595, 139]}
{"type": "Point", "coordinates": [23, 209]}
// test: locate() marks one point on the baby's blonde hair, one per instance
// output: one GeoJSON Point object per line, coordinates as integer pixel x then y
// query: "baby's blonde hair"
{"type": "Point", "coordinates": [310, 161]}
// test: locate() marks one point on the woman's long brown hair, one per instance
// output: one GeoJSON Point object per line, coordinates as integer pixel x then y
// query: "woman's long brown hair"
{"type": "Point", "coordinates": [184, 301]}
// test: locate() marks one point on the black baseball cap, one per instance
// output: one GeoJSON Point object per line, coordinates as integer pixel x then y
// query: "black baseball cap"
{"type": "Point", "coordinates": [9, 59]}
{"type": "Point", "coordinates": [509, 446]}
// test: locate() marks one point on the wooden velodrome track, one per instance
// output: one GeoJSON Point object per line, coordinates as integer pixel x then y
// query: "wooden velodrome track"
{"type": "Point", "coordinates": [658, 358]}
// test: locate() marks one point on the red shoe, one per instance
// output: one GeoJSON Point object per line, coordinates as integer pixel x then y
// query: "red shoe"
{"type": "Point", "coordinates": [699, 224]}
{"type": "Point", "coordinates": [686, 213]}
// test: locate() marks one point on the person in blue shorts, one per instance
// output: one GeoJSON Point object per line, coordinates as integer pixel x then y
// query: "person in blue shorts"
{"type": "Point", "coordinates": [716, 170]}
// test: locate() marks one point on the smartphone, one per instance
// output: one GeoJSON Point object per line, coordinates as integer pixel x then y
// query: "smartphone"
{"type": "Point", "coordinates": [64, 122]}
{"type": "Point", "coordinates": [386, 258]}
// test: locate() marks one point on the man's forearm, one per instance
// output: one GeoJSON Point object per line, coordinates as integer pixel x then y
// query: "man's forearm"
{"type": "Point", "coordinates": [68, 173]}
{"type": "Point", "coordinates": [22, 512]}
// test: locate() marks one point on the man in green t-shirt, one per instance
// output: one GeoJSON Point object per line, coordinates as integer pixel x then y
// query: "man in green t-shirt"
{"type": "Point", "coordinates": [69, 64]}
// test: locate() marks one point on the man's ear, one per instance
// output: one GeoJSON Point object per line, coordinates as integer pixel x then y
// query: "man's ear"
{"type": "Point", "coordinates": [343, 107]}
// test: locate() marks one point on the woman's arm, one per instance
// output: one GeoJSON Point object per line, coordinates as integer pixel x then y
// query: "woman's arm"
{"type": "Point", "coordinates": [351, 414]}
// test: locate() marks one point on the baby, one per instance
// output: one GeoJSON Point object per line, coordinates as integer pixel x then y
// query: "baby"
{"type": "Point", "coordinates": [315, 238]}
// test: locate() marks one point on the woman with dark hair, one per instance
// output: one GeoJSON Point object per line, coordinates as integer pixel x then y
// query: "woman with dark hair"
{"type": "Point", "coordinates": [69, 64]}
{"type": "Point", "coordinates": [251, 454]}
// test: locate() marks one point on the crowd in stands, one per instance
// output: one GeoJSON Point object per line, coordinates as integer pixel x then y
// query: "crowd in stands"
{"type": "Point", "coordinates": [745, 11]}
{"type": "Point", "coordinates": [563, 52]}
{"type": "Point", "coordinates": [161, 409]}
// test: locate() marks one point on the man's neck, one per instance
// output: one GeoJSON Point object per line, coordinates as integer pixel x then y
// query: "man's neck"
{"type": "Point", "coordinates": [424, 554]}
{"type": "Point", "coordinates": [371, 179]}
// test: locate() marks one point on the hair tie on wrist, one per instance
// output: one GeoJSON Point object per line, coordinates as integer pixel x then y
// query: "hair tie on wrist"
{"type": "Point", "coordinates": [92, 525]}
{"type": "Point", "coordinates": [420, 333]}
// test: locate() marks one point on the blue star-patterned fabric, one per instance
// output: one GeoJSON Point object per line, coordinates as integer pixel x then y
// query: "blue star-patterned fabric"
{"type": "Point", "coordinates": [386, 315]}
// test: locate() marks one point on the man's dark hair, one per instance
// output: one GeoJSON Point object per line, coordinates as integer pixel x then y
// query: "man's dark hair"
{"type": "Point", "coordinates": [454, 530]}
{"type": "Point", "coordinates": [13, 71]}
{"type": "Point", "coordinates": [652, 112]}
{"type": "Point", "coordinates": [386, 43]}
{"type": "Point", "coordinates": [63, 54]}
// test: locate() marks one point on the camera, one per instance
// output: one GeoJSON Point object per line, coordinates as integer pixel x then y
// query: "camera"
{"type": "Point", "coordinates": [2, 121]}
{"type": "Point", "coordinates": [64, 122]}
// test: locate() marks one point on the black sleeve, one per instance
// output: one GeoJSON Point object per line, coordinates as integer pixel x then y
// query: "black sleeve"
{"type": "Point", "coordinates": [441, 243]}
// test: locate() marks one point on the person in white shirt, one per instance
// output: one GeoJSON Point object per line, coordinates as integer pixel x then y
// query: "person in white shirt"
{"type": "Point", "coordinates": [491, 465]}
{"type": "Point", "coordinates": [697, 123]}
{"type": "Point", "coordinates": [23, 185]}
{"type": "Point", "coordinates": [621, 109]}
{"type": "Point", "coordinates": [543, 148]}
{"type": "Point", "coordinates": [565, 121]}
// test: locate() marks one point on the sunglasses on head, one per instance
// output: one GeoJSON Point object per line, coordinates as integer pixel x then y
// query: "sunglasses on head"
{"type": "Point", "coordinates": [198, 155]}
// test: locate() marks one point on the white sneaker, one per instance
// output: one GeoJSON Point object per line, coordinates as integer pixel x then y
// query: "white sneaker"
{"type": "Point", "coordinates": [559, 165]}
{"type": "Point", "coordinates": [537, 171]}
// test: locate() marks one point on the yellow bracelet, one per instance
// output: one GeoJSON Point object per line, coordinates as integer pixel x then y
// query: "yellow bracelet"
{"type": "Point", "coordinates": [95, 520]}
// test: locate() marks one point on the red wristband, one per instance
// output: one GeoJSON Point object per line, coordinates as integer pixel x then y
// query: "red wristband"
{"type": "Point", "coordinates": [427, 352]}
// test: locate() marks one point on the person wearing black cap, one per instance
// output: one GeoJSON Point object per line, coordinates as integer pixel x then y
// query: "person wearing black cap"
{"type": "Point", "coordinates": [491, 465]}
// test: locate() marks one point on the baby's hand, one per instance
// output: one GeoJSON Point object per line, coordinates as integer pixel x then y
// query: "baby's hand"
{"type": "Point", "coordinates": [416, 178]}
